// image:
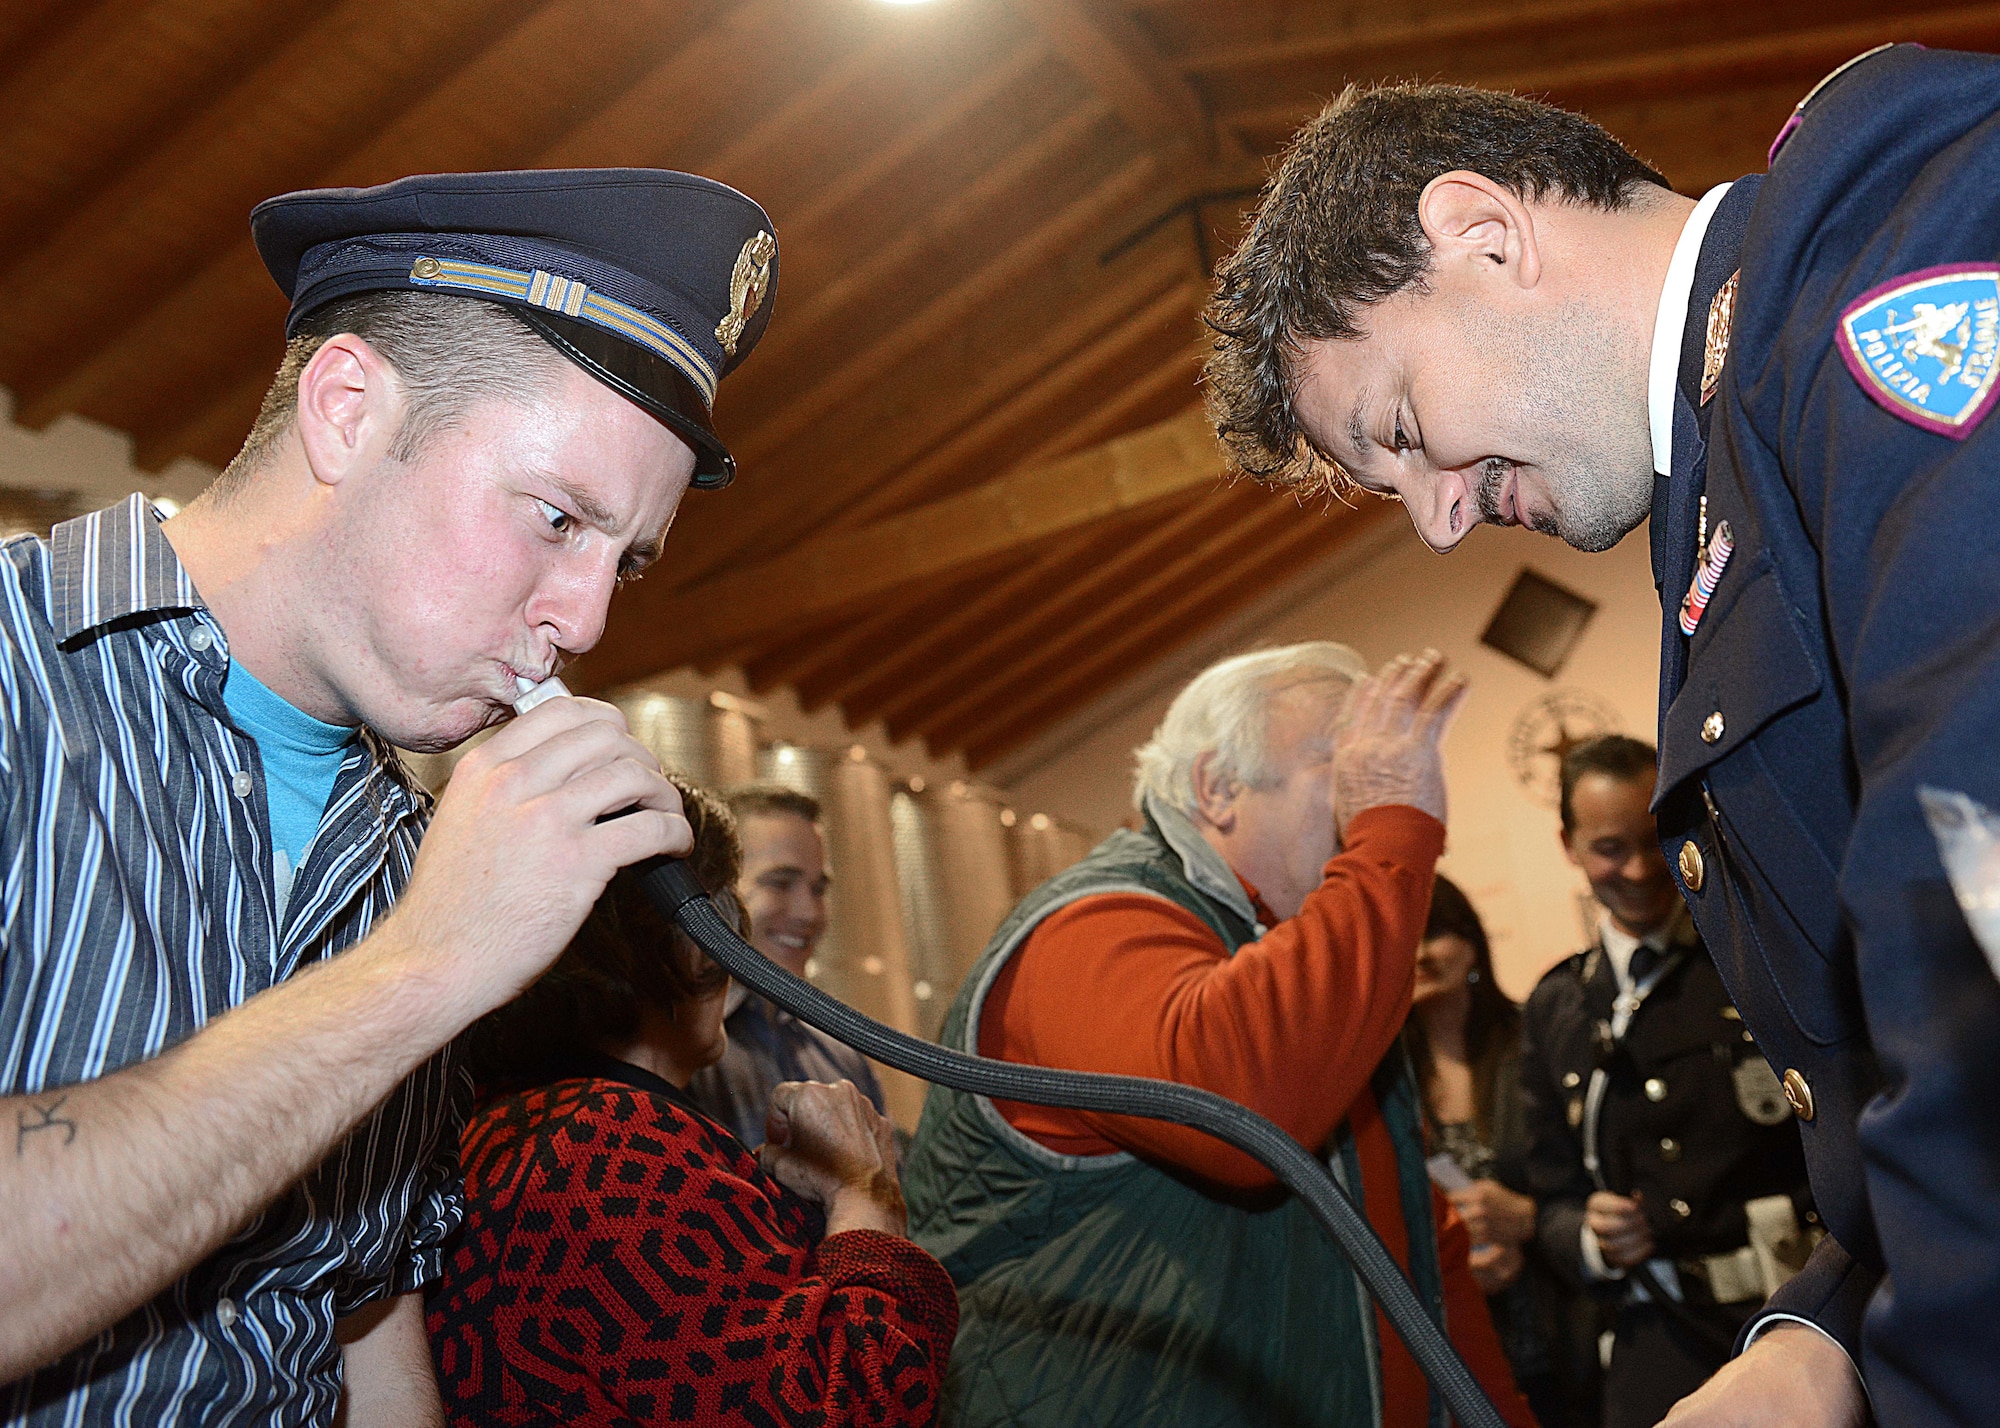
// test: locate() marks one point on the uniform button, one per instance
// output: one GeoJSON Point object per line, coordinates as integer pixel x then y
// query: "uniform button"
{"type": "Point", "coordinates": [1575, 1111]}
{"type": "Point", "coordinates": [1656, 1089]}
{"type": "Point", "coordinates": [1692, 871]}
{"type": "Point", "coordinates": [426, 268]}
{"type": "Point", "coordinates": [226, 1313]}
{"type": "Point", "coordinates": [1571, 1080]}
{"type": "Point", "coordinates": [200, 638]}
{"type": "Point", "coordinates": [1799, 1093]}
{"type": "Point", "coordinates": [1711, 727]}
{"type": "Point", "coordinates": [1670, 1149]}
{"type": "Point", "coordinates": [240, 783]}
{"type": "Point", "coordinates": [1680, 1207]}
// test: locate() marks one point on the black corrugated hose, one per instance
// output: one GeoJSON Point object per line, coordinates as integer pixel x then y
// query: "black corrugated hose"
{"type": "Point", "coordinates": [676, 893]}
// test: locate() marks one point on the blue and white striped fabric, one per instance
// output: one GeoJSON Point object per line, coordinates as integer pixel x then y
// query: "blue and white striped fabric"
{"type": "Point", "coordinates": [137, 904]}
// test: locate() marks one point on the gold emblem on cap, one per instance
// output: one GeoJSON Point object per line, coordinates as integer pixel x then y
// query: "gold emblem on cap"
{"type": "Point", "coordinates": [748, 283]}
{"type": "Point", "coordinates": [1715, 346]}
{"type": "Point", "coordinates": [426, 269]}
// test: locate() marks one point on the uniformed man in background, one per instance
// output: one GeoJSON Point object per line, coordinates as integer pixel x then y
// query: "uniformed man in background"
{"type": "Point", "coordinates": [1663, 1159]}
{"type": "Point", "coordinates": [1492, 310]}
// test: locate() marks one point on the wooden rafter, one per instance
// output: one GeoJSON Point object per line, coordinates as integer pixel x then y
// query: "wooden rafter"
{"type": "Point", "coordinates": [770, 515]}
{"type": "Point", "coordinates": [1157, 631]}
{"type": "Point", "coordinates": [1050, 380]}
{"type": "Point", "coordinates": [844, 567]}
{"type": "Point", "coordinates": [1238, 523]}
{"type": "Point", "coordinates": [1055, 235]}
{"type": "Point", "coordinates": [884, 640]}
{"type": "Point", "coordinates": [1113, 56]}
{"type": "Point", "coordinates": [145, 227]}
{"type": "Point", "coordinates": [1683, 72]}
{"type": "Point", "coordinates": [974, 637]}
{"type": "Point", "coordinates": [626, 126]}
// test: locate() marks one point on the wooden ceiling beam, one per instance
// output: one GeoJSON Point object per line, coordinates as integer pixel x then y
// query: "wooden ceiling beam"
{"type": "Point", "coordinates": [166, 216]}
{"type": "Point", "coordinates": [951, 680]}
{"type": "Point", "coordinates": [875, 272]}
{"type": "Point", "coordinates": [878, 644]}
{"type": "Point", "coordinates": [1803, 55]}
{"type": "Point", "coordinates": [1058, 234]}
{"type": "Point", "coordinates": [129, 379]}
{"type": "Point", "coordinates": [856, 640]}
{"type": "Point", "coordinates": [986, 86]}
{"type": "Point", "coordinates": [1033, 648]}
{"type": "Point", "coordinates": [213, 432]}
{"type": "Point", "coordinates": [1165, 628]}
{"type": "Point", "coordinates": [1682, 72]}
{"type": "Point", "coordinates": [216, 430]}
{"type": "Point", "coordinates": [843, 568]}
{"type": "Point", "coordinates": [1177, 301]}
{"type": "Point", "coordinates": [107, 83]}
{"type": "Point", "coordinates": [871, 690]}
{"type": "Point", "coordinates": [1508, 23]}
{"type": "Point", "coordinates": [1178, 376]}
{"type": "Point", "coordinates": [1114, 57]}
{"type": "Point", "coordinates": [772, 513]}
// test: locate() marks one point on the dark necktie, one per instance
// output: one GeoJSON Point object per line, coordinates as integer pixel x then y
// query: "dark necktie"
{"type": "Point", "coordinates": [1645, 958]}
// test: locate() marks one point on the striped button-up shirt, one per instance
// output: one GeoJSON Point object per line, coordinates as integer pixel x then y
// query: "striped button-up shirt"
{"type": "Point", "coordinates": [137, 903]}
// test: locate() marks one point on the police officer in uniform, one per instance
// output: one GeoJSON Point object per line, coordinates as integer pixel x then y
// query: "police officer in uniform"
{"type": "Point", "coordinates": [1806, 360]}
{"type": "Point", "coordinates": [1663, 1160]}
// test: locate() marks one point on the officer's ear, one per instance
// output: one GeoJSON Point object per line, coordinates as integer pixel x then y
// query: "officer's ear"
{"type": "Point", "coordinates": [1479, 228]}
{"type": "Point", "coordinates": [349, 404]}
{"type": "Point", "coordinates": [1215, 791]}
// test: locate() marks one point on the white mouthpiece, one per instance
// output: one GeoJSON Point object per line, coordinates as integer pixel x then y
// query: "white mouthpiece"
{"type": "Point", "coordinates": [532, 693]}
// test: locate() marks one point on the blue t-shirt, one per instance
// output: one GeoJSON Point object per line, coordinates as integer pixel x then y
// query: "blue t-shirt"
{"type": "Point", "coordinates": [302, 758]}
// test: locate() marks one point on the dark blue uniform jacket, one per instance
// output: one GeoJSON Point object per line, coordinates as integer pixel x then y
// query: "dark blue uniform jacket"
{"type": "Point", "coordinates": [1851, 653]}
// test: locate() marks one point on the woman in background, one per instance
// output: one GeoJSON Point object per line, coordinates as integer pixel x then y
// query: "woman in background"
{"type": "Point", "coordinates": [1464, 1039]}
{"type": "Point", "coordinates": [624, 1259]}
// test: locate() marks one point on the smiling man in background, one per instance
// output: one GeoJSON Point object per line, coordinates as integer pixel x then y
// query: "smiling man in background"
{"type": "Point", "coordinates": [783, 891]}
{"type": "Point", "coordinates": [1493, 311]}
{"type": "Point", "coordinates": [231, 1155]}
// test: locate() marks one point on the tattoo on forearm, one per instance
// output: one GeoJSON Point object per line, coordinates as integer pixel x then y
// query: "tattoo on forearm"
{"type": "Point", "coordinates": [25, 1125]}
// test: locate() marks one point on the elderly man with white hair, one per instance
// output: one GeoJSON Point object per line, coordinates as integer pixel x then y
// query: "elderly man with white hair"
{"type": "Point", "coordinates": [1255, 936]}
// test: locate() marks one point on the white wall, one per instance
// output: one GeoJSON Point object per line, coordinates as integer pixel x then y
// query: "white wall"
{"type": "Point", "coordinates": [76, 456]}
{"type": "Point", "coordinates": [1385, 593]}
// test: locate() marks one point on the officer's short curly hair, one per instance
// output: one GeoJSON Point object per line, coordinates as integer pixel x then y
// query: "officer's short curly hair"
{"type": "Point", "coordinates": [1336, 231]}
{"type": "Point", "coordinates": [447, 351]}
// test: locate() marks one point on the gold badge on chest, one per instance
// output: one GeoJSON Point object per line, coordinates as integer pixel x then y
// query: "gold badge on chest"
{"type": "Point", "coordinates": [1715, 347]}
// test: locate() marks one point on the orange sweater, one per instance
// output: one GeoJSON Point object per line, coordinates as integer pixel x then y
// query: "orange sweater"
{"type": "Point", "coordinates": [1293, 1025]}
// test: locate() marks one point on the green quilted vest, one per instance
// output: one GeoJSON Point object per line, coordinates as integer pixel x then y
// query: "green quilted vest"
{"type": "Point", "coordinates": [1098, 1290]}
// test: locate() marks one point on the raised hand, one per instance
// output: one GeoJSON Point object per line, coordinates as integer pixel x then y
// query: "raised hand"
{"type": "Point", "coordinates": [1386, 749]}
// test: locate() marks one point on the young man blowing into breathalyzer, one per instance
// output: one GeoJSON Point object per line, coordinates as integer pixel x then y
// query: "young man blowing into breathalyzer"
{"type": "Point", "coordinates": [231, 1151]}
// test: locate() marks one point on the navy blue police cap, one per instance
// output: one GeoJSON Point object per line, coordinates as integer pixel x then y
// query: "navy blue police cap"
{"type": "Point", "coordinates": [656, 283]}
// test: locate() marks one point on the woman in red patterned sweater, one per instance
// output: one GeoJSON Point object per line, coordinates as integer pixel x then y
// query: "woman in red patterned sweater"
{"type": "Point", "coordinates": [624, 1260]}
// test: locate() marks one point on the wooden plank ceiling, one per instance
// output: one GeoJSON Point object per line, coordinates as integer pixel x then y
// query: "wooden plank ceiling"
{"type": "Point", "coordinates": [996, 217]}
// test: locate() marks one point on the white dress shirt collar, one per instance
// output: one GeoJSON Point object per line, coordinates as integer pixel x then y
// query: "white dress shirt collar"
{"type": "Point", "coordinates": [1619, 945]}
{"type": "Point", "coordinates": [1671, 322]}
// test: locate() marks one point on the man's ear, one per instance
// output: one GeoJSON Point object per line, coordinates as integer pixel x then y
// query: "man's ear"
{"type": "Point", "coordinates": [1562, 837]}
{"type": "Point", "coordinates": [1472, 220]}
{"type": "Point", "coordinates": [348, 407]}
{"type": "Point", "coordinates": [1214, 792]}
